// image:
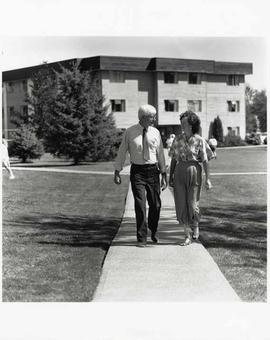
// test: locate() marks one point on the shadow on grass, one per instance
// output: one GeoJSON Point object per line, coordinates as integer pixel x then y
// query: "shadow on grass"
{"type": "Point", "coordinates": [238, 228]}
{"type": "Point", "coordinates": [72, 231]}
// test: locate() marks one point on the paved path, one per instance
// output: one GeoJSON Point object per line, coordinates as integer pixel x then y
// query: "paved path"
{"type": "Point", "coordinates": [162, 272]}
{"type": "Point", "coordinates": [125, 171]}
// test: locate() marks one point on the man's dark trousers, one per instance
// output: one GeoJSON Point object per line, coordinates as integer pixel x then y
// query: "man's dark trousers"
{"type": "Point", "coordinates": [145, 183]}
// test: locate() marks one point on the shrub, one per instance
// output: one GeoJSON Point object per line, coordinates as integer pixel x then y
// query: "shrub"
{"type": "Point", "coordinates": [232, 140]}
{"type": "Point", "coordinates": [25, 144]}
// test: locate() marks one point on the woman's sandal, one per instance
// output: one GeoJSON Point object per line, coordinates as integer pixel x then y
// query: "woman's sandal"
{"type": "Point", "coordinates": [196, 233]}
{"type": "Point", "coordinates": [187, 242]}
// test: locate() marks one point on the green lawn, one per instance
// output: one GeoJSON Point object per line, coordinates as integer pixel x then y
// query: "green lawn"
{"type": "Point", "coordinates": [57, 227]}
{"type": "Point", "coordinates": [233, 226]}
{"type": "Point", "coordinates": [56, 231]}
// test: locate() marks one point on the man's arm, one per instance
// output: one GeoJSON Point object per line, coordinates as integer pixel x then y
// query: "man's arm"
{"type": "Point", "coordinates": [162, 164]}
{"type": "Point", "coordinates": [120, 159]}
{"type": "Point", "coordinates": [172, 168]}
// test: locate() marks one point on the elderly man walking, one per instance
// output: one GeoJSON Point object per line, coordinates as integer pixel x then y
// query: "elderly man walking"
{"type": "Point", "coordinates": [144, 144]}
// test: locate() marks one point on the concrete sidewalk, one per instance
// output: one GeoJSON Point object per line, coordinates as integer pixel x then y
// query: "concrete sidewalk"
{"type": "Point", "coordinates": [163, 272]}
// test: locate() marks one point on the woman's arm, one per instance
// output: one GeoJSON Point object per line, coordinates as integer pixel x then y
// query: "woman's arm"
{"type": "Point", "coordinates": [208, 184]}
{"type": "Point", "coordinates": [172, 168]}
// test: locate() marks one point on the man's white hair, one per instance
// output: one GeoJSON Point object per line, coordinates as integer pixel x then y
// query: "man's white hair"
{"type": "Point", "coordinates": [146, 110]}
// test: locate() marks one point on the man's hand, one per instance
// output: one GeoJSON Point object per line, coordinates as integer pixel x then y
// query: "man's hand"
{"type": "Point", "coordinates": [164, 181]}
{"type": "Point", "coordinates": [171, 181]}
{"type": "Point", "coordinates": [117, 177]}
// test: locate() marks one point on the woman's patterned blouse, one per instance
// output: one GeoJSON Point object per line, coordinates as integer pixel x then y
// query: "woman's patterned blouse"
{"type": "Point", "coordinates": [194, 149]}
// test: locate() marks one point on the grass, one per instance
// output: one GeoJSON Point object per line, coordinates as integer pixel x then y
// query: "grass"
{"type": "Point", "coordinates": [58, 227]}
{"type": "Point", "coordinates": [48, 161]}
{"type": "Point", "coordinates": [233, 225]}
{"type": "Point", "coordinates": [56, 231]}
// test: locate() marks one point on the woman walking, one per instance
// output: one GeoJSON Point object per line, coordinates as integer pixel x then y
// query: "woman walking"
{"type": "Point", "coordinates": [188, 151]}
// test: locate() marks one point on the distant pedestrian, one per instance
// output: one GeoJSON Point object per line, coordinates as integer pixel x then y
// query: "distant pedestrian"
{"type": "Point", "coordinates": [5, 158]}
{"type": "Point", "coordinates": [143, 142]}
{"type": "Point", "coordinates": [169, 141]}
{"type": "Point", "coordinates": [213, 145]}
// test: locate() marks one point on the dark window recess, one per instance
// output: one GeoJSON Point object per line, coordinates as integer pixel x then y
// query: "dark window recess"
{"type": "Point", "coordinates": [169, 77]}
{"type": "Point", "coordinates": [117, 77]}
{"type": "Point", "coordinates": [171, 105]}
{"type": "Point", "coordinates": [24, 85]}
{"type": "Point", "coordinates": [11, 110]}
{"type": "Point", "coordinates": [233, 106]}
{"type": "Point", "coordinates": [194, 105]}
{"type": "Point", "coordinates": [194, 78]}
{"type": "Point", "coordinates": [118, 105]}
{"type": "Point", "coordinates": [10, 87]}
{"type": "Point", "coordinates": [233, 80]}
{"type": "Point", "coordinates": [24, 109]}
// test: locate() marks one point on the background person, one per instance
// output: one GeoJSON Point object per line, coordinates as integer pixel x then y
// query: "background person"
{"type": "Point", "coordinates": [213, 145]}
{"type": "Point", "coordinates": [5, 158]}
{"type": "Point", "coordinates": [144, 144]}
{"type": "Point", "coordinates": [189, 149]}
{"type": "Point", "coordinates": [169, 141]}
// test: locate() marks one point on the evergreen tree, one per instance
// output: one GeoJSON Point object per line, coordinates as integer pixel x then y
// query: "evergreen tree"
{"type": "Point", "coordinates": [258, 108]}
{"type": "Point", "coordinates": [217, 130]}
{"type": "Point", "coordinates": [251, 122]}
{"type": "Point", "coordinates": [70, 116]}
{"type": "Point", "coordinates": [256, 102]}
{"type": "Point", "coordinates": [41, 100]}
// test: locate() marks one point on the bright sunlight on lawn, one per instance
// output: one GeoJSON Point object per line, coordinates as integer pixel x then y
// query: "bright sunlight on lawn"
{"type": "Point", "coordinates": [57, 227]}
{"type": "Point", "coordinates": [233, 227]}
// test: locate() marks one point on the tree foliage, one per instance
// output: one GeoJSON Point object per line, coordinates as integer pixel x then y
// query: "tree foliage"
{"type": "Point", "coordinates": [259, 108]}
{"type": "Point", "coordinates": [69, 115]}
{"type": "Point", "coordinates": [217, 129]}
{"type": "Point", "coordinates": [255, 107]}
{"type": "Point", "coordinates": [41, 100]}
{"type": "Point", "coordinates": [25, 144]}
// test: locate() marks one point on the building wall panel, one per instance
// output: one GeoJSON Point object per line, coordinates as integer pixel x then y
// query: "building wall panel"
{"type": "Point", "coordinates": [138, 89]}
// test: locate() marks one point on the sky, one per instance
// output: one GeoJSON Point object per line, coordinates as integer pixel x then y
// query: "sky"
{"type": "Point", "coordinates": [23, 51]}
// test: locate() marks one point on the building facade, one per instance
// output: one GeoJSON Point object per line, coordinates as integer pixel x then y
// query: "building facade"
{"type": "Point", "coordinates": [209, 88]}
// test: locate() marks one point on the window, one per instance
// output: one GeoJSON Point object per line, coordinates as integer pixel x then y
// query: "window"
{"type": "Point", "coordinates": [194, 78]}
{"type": "Point", "coordinates": [170, 77]}
{"type": "Point", "coordinates": [117, 77]}
{"type": "Point", "coordinates": [11, 110]}
{"type": "Point", "coordinates": [24, 109]}
{"type": "Point", "coordinates": [118, 105]}
{"type": "Point", "coordinates": [233, 106]}
{"type": "Point", "coordinates": [194, 105]}
{"type": "Point", "coordinates": [233, 80]}
{"type": "Point", "coordinates": [233, 131]}
{"type": "Point", "coordinates": [10, 87]}
{"type": "Point", "coordinates": [24, 85]}
{"type": "Point", "coordinates": [171, 105]}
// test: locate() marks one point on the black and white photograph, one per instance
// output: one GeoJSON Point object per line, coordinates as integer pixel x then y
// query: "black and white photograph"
{"type": "Point", "coordinates": [134, 181]}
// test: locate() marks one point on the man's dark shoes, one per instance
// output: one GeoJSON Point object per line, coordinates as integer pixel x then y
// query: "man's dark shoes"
{"type": "Point", "coordinates": [141, 244]}
{"type": "Point", "coordinates": [154, 238]}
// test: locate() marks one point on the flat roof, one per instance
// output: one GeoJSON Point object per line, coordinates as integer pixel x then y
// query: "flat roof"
{"type": "Point", "coordinates": [120, 63]}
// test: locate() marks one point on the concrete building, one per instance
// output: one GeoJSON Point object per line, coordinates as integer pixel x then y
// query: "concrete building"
{"type": "Point", "coordinates": [210, 88]}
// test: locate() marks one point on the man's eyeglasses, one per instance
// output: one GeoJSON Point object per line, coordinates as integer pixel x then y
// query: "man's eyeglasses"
{"type": "Point", "coordinates": [151, 117]}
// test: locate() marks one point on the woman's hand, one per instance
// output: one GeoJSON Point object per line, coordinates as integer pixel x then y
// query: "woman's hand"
{"type": "Point", "coordinates": [208, 184]}
{"type": "Point", "coordinates": [171, 181]}
{"type": "Point", "coordinates": [117, 177]}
